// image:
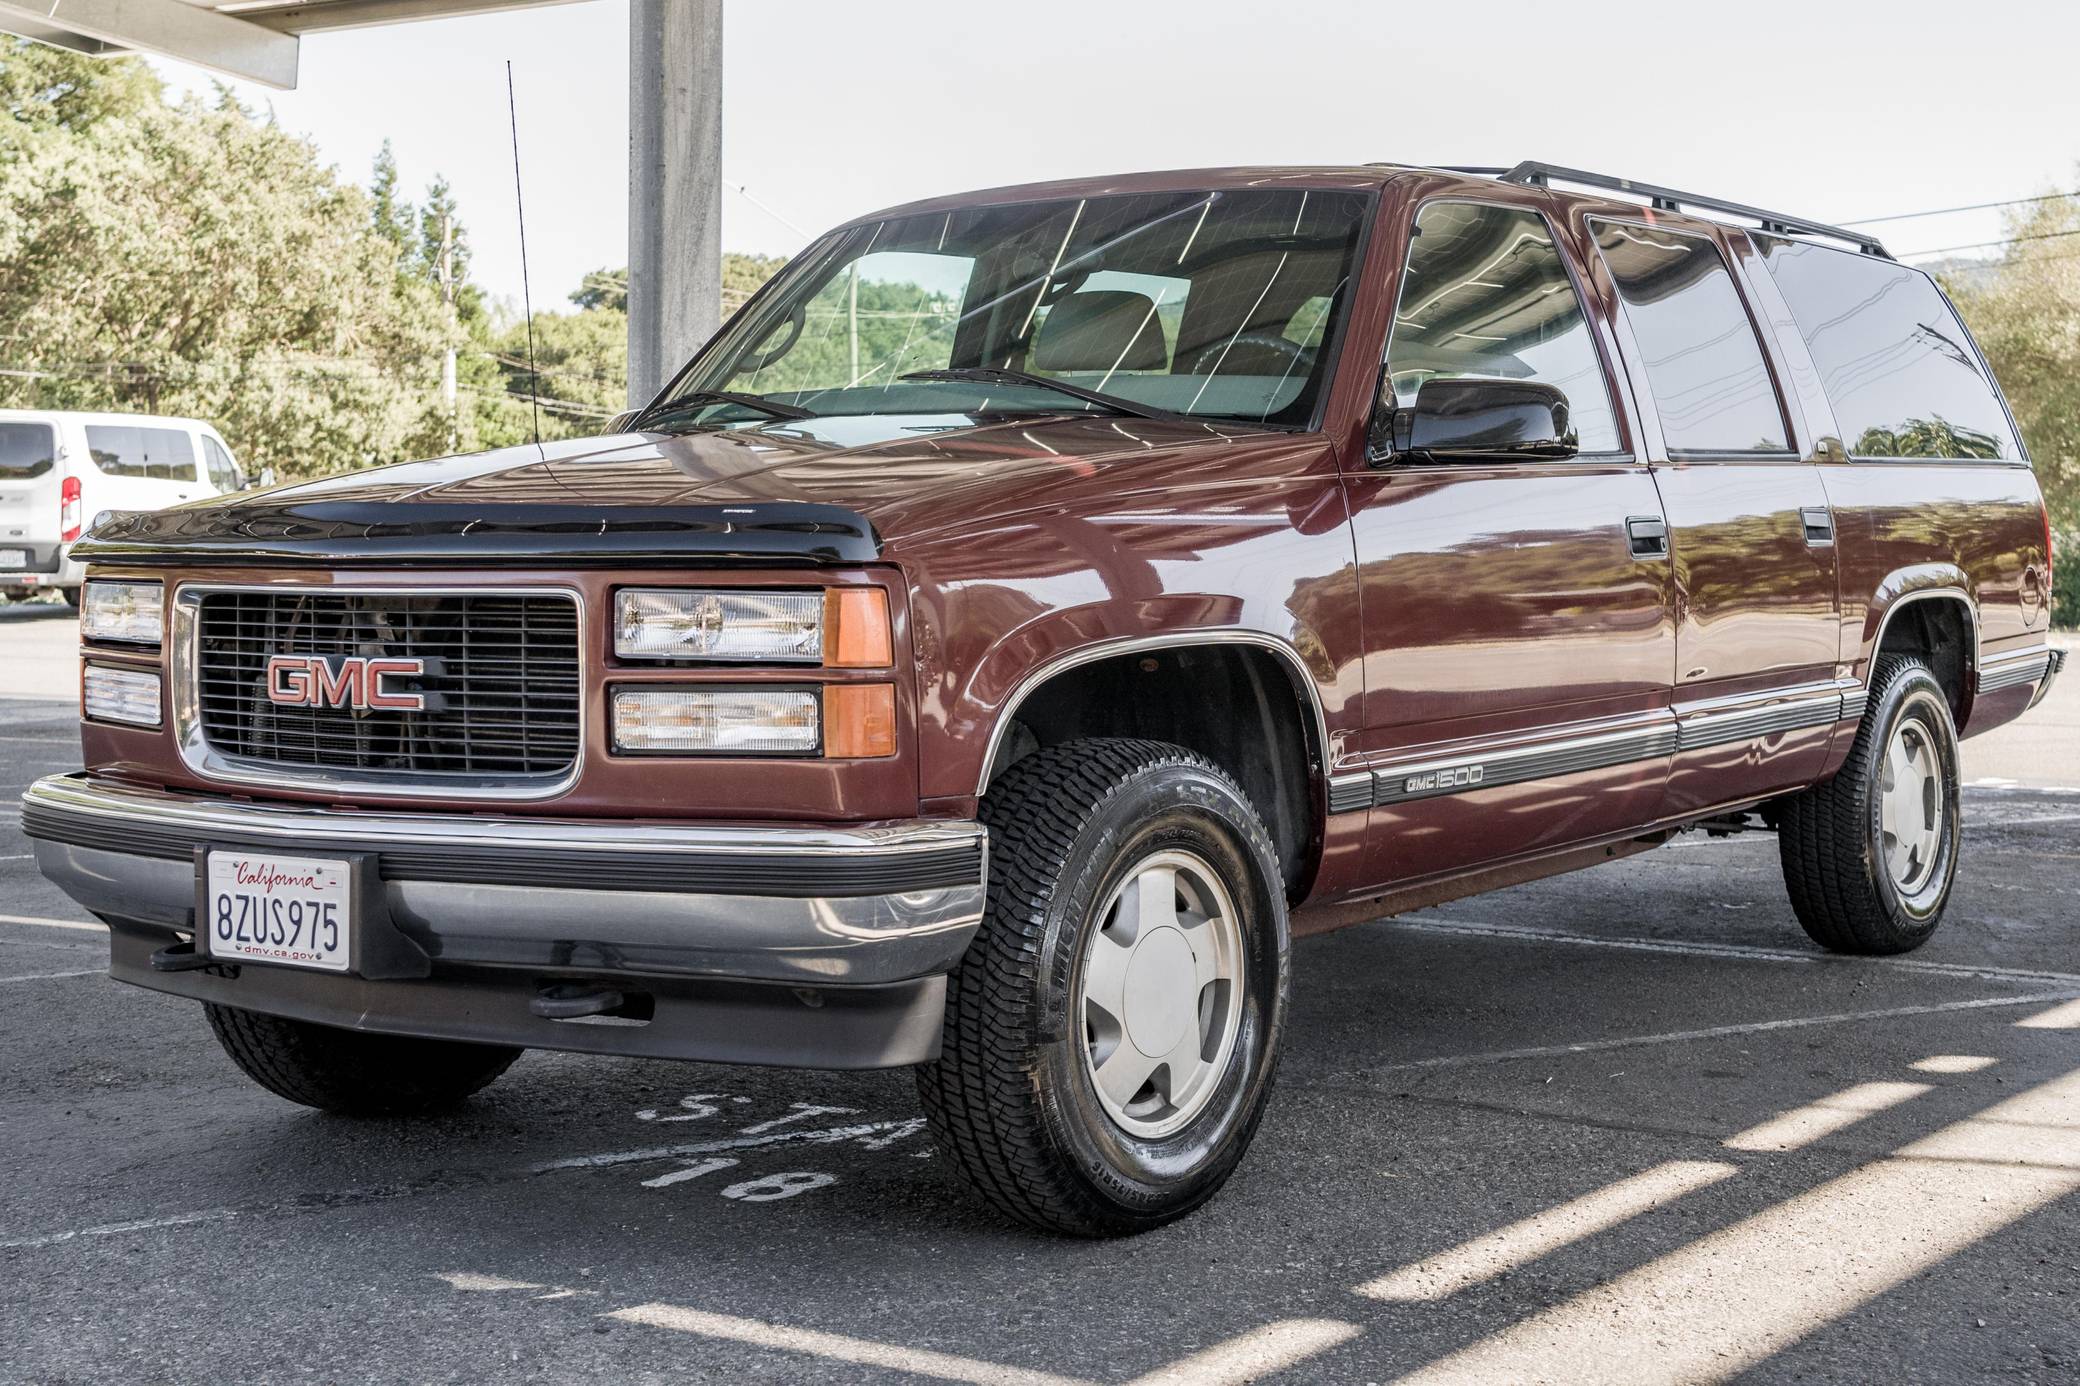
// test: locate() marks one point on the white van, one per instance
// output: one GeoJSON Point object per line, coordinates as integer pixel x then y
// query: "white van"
{"type": "Point", "coordinates": [60, 469]}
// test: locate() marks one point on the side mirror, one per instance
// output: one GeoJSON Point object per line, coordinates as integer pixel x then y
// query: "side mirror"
{"type": "Point", "coordinates": [1475, 419]}
{"type": "Point", "coordinates": [620, 422]}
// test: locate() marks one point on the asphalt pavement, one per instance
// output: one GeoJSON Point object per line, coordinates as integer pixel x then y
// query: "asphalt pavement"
{"type": "Point", "coordinates": [1625, 1125]}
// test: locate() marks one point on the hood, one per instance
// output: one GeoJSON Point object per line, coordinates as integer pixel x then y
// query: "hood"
{"type": "Point", "coordinates": [824, 490]}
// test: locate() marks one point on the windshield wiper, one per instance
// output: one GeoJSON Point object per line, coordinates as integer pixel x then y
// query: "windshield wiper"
{"type": "Point", "coordinates": [999, 375]}
{"type": "Point", "coordinates": [701, 399]}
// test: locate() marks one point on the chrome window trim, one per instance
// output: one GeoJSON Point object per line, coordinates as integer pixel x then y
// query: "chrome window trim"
{"type": "Point", "coordinates": [189, 739]}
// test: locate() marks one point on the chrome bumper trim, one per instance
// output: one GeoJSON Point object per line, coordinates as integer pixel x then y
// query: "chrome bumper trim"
{"type": "Point", "coordinates": [900, 900]}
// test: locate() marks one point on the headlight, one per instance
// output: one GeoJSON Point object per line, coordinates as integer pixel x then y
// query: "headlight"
{"type": "Point", "coordinates": [841, 628]}
{"type": "Point", "coordinates": [717, 721]}
{"type": "Point", "coordinates": [663, 623]}
{"type": "Point", "coordinates": [131, 612]}
{"type": "Point", "coordinates": [109, 694]}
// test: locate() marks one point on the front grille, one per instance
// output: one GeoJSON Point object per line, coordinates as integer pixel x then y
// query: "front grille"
{"type": "Point", "coordinates": [501, 682]}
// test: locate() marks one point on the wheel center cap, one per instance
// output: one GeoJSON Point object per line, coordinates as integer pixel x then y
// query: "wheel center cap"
{"type": "Point", "coordinates": [1160, 999]}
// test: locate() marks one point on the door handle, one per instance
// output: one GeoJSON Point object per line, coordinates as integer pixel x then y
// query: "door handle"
{"type": "Point", "coordinates": [1819, 523]}
{"type": "Point", "coordinates": [1648, 536]}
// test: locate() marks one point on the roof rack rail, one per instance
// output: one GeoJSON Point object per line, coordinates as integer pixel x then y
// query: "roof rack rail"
{"type": "Point", "coordinates": [1671, 200]}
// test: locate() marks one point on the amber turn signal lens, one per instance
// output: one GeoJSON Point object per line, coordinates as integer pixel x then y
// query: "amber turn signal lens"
{"type": "Point", "coordinates": [859, 720]}
{"type": "Point", "coordinates": [856, 633]}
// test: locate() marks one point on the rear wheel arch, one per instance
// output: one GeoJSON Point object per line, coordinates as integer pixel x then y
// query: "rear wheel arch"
{"type": "Point", "coordinates": [1934, 621]}
{"type": "Point", "coordinates": [1244, 700]}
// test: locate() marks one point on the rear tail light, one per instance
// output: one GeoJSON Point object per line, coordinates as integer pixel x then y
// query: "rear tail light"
{"type": "Point", "coordinates": [71, 510]}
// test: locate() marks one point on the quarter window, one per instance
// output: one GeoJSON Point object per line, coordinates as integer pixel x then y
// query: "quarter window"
{"type": "Point", "coordinates": [26, 449]}
{"type": "Point", "coordinates": [1485, 293]}
{"type": "Point", "coordinates": [1897, 367]}
{"type": "Point", "coordinates": [162, 454]}
{"type": "Point", "coordinates": [1703, 364]}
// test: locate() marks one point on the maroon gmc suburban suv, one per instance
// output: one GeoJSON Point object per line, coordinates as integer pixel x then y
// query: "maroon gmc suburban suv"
{"type": "Point", "coordinates": [1032, 610]}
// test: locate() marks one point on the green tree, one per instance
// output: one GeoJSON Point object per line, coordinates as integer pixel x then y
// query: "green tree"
{"type": "Point", "coordinates": [2025, 310]}
{"type": "Point", "coordinates": [388, 214]}
{"type": "Point", "coordinates": [43, 88]}
{"type": "Point", "coordinates": [181, 259]}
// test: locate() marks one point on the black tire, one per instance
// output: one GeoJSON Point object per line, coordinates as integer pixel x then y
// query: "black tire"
{"type": "Point", "coordinates": [1010, 1100]}
{"type": "Point", "coordinates": [1831, 837]}
{"type": "Point", "coordinates": [72, 595]}
{"type": "Point", "coordinates": [354, 1072]}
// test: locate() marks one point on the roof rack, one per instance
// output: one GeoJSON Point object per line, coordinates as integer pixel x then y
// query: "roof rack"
{"type": "Point", "coordinates": [1663, 199]}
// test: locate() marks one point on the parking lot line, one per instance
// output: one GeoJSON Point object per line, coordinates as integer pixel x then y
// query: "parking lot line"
{"type": "Point", "coordinates": [53, 976]}
{"type": "Point", "coordinates": [1504, 1250]}
{"type": "Point", "coordinates": [836, 1347]}
{"type": "Point", "coordinates": [1801, 1126]}
{"type": "Point", "coordinates": [1753, 1027]}
{"type": "Point", "coordinates": [1725, 1302]}
{"type": "Point", "coordinates": [38, 921]}
{"type": "Point", "coordinates": [1739, 951]}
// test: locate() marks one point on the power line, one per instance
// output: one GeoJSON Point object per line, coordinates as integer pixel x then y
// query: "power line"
{"type": "Point", "coordinates": [1985, 245]}
{"type": "Point", "coordinates": [1970, 207]}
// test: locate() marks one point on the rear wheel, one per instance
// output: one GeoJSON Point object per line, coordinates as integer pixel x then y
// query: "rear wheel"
{"type": "Point", "coordinates": [1111, 1034]}
{"type": "Point", "coordinates": [71, 597]}
{"type": "Point", "coordinates": [1870, 856]}
{"type": "Point", "coordinates": [354, 1072]}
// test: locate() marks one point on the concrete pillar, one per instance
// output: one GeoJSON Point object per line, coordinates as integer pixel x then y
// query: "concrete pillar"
{"type": "Point", "coordinates": [674, 186]}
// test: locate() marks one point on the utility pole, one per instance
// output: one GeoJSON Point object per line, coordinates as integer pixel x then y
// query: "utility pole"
{"type": "Point", "coordinates": [674, 186]}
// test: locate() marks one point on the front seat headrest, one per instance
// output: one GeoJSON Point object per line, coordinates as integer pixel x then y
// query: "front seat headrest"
{"type": "Point", "coordinates": [1101, 330]}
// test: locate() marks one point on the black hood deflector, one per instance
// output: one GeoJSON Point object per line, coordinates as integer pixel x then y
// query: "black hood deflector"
{"type": "Point", "coordinates": [317, 530]}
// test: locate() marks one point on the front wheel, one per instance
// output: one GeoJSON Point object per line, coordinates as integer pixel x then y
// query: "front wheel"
{"type": "Point", "coordinates": [1870, 856]}
{"type": "Point", "coordinates": [1111, 1034]}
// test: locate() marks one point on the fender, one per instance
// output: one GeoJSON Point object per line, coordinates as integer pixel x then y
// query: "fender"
{"type": "Point", "coordinates": [1307, 684]}
{"type": "Point", "coordinates": [1902, 588]}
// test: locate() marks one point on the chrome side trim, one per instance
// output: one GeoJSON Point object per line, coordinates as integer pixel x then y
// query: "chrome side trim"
{"type": "Point", "coordinates": [1111, 649]}
{"type": "Point", "coordinates": [2014, 667]}
{"type": "Point", "coordinates": [1854, 701]}
{"type": "Point", "coordinates": [1477, 769]}
{"type": "Point", "coordinates": [1815, 705]}
{"type": "Point", "coordinates": [184, 649]}
{"type": "Point", "coordinates": [1349, 793]}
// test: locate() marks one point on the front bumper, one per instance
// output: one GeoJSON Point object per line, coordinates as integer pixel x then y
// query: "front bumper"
{"type": "Point", "coordinates": [816, 946]}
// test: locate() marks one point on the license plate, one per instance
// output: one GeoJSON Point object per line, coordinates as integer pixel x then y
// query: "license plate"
{"type": "Point", "coordinates": [14, 558]}
{"type": "Point", "coordinates": [295, 911]}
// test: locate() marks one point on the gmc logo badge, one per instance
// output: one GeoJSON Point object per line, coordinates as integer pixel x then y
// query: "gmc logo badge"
{"type": "Point", "coordinates": [350, 681]}
{"type": "Point", "coordinates": [1445, 779]}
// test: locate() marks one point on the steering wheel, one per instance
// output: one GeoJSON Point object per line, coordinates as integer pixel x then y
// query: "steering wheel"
{"type": "Point", "coordinates": [1292, 356]}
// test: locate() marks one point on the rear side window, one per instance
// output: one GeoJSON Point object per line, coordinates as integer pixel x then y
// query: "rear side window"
{"type": "Point", "coordinates": [1899, 371]}
{"type": "Point", "coordinates": [162, 454]}
{"type": "Point", "coordinates": [26, 450]}
{"type": "Point", "coordinates": [1704, 366]}
{"type": "Point", "coordinates": [1486, 294]}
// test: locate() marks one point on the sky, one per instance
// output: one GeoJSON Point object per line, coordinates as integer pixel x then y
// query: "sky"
{"type": "Point", "coordinates": [1823, 109]}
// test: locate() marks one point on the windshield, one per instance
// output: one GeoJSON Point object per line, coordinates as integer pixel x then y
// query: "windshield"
{"type": "Point", "coordinates": [1221, 305]}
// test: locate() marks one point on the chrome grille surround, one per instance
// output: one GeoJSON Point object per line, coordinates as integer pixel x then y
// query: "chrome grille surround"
{"type": "Point", "coordinates": [386, 759]}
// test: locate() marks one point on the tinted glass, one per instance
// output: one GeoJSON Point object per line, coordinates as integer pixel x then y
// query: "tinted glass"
{"type": "Point", "coordinates": [1899, 371]}
{"type": "Point", "coordinates": [26, 450]}
{"type": "Point", "coordinates": [1703, 363]}
{"type": "Point", "coordinates": [163, 454]}
{"type": "Point", "coordinates": [1211, 304]}
{"type": "Point", "coordinates": [223, 472]}
{"type": "Point", "coordinates": [1485, 294]}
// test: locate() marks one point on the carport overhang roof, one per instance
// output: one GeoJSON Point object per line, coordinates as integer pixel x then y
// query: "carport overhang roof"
{"type": "Point", "coordinates": [256, 40]}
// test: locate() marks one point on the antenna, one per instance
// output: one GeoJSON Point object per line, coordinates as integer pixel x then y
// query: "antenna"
{"type": "Point", "coordinates": [534, 380]}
